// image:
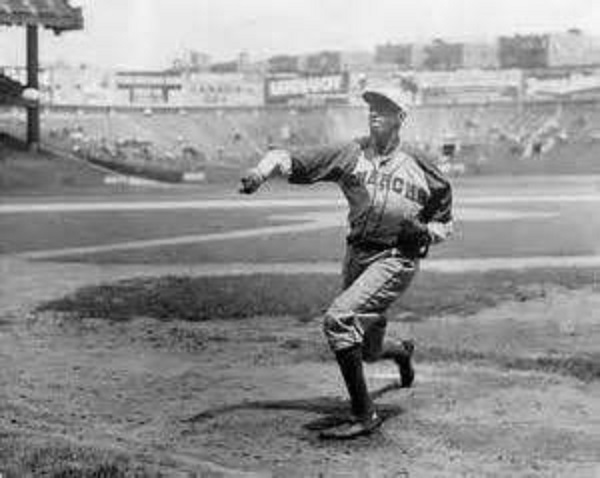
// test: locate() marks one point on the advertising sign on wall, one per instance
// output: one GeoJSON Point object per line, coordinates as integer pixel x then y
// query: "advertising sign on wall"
{"type": "Point", "coordinates": [282, 90]}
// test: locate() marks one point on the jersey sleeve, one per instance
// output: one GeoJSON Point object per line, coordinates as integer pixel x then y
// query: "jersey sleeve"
{"type": "Point", "coordinates": [437, 213]}
{"type": "Point", "coordinates": [328, 163]}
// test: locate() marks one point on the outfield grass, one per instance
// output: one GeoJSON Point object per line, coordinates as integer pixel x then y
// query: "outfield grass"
{"type": "Point", "coordinates": [471, 240]}
{"type": "Point", "coordinates": [50, 230]}
{"type": "Point", "coordinates": [573, 230]}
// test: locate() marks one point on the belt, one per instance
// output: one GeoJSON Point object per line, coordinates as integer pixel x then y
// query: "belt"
{"type": "Point", "coordinates": [380, 246]}
{"type": "Point", "coordinates": [370, 245]}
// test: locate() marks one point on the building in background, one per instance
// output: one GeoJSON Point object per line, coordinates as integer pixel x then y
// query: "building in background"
{"type": "Point", "coordinates": [321, 63]}
{"type": "Point", "coordinates": [400, 54]}
{"type": "Point", "coordinates": [572, 49]}
{"type": "Point", "coordinates": [468, 86]}
{"type": "Point", "coordinates": [231, 66]}
{"type": "Point", "coordinates": [438, 55]}
{"type": "Point", "coordinates": [283, 64]}
{"type": "Point", "coordinates": [523, 51]}
{"type": "Point", "coordinates": [192, 60]}
{"type": "Point", "coordinates": [441, 55]}
{"type": "Point", "coordinates": [436, 72]}
{"type": "Point", "coordinates": [482, 56]}
{"type": "Point", "coordinates": [357, 61]}
{"type": "Point", "coordinates": [553, 50]}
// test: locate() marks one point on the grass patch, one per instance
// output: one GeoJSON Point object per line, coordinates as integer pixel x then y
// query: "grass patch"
{"type": "Point", "coordinates": [23, 457]}
{"type": "Point", "coordinates": [303, 296]}
{"type": "Point", "coordinates": [200, 299]}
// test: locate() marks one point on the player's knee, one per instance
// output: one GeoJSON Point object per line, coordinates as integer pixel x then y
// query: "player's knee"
{"type": "Point", "coordinates": [379, 322]}
{"type": "Point", "coordinates": [333, 323]}
{"type": "Point", "coordinates": [340, 330]}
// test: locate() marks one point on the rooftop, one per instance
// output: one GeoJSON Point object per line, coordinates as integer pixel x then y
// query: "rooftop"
{"type": "Point", "coordinates": [57, 15]}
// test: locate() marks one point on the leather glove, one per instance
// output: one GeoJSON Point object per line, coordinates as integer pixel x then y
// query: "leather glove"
{"type": "Point", "coordinates": [414, 237]}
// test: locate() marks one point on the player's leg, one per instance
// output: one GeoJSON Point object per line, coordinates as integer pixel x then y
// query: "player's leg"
{"type": "Point", "coordinates": [374, 348]}
{"type": "Point", "coordinates": [401, 353]}
{"type": "Point", "coordinates": [345, 336]}
{"type": "Point", "coordinates": [354, 310]}
{"type": "Point", "coordinates": [374, 327]}
{"type": "Point", "coordinates": [356, 262]}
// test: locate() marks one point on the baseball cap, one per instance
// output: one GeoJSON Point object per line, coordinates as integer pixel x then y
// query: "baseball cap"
{"type": "Point", "coordinates": [394, 97]}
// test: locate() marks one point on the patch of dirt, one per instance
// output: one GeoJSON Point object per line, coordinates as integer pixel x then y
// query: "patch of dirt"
{"type": "Point", "coordinates": [232, 398]}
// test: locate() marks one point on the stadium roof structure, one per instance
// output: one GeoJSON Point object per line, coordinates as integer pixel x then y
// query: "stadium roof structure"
{"type": "Point", "coordinates": [57, 15]}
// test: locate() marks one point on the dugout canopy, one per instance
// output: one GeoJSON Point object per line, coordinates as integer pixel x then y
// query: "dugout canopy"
{"type": "Point", "coordinates": [56, 15]}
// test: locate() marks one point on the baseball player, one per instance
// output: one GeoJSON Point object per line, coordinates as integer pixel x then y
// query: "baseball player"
{"type": "Point", "coordinates": [399, 204]}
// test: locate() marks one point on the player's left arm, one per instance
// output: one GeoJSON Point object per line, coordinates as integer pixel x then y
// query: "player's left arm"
{"type": "Point", "coordinates": [436, 214]}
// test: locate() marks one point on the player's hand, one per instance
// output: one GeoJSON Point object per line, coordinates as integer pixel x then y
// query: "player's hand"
{"type": "Point", "coordinates": [250, 182]}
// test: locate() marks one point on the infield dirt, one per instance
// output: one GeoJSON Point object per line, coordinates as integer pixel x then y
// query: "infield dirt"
{"type": "Point", "coordinates": [148, 397]}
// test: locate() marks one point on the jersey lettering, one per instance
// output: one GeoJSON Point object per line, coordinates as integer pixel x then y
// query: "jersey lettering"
{"type": "Point", "coordinates": [384, 182]}
{"type": "Point", "coordinates": [387, 182]}
{"type": "Point", "coordinates": [398, 185]}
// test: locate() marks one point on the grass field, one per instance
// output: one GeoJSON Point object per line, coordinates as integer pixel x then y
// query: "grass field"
{"type": "Point", "coordinates": [142, 335]}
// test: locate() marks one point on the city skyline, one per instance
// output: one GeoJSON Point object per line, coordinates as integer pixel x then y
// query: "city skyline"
{"type": "Point", "coordinates": [151, 33]}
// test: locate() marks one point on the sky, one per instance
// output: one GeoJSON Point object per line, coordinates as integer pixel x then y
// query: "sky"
{"type": "Point", "coordinates": [151, 33]}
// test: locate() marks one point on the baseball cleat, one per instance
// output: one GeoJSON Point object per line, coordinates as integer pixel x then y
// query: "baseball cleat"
{"type": "Point", "coordinates": [348, 431]}
{"type": "Point", "coordinates": [330, 421]}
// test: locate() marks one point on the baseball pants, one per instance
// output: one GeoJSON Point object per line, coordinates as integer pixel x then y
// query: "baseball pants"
{"type": "Point", "coordinates": [372, 282]}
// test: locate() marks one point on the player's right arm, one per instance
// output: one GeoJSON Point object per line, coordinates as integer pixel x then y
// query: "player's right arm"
{"type": "Point", "coordinates": [276, 161]}
{"type": "Point", "coordinates": [302, 167]}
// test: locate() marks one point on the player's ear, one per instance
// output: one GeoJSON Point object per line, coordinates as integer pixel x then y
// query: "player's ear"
{"type": "Point", "coordinates": [401, 117]}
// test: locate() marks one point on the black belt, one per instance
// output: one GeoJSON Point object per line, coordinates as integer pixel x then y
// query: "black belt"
{"type": "Point", "coordinates": [379, 246]}
{"type": "Point", "coordinates": [370, 244]}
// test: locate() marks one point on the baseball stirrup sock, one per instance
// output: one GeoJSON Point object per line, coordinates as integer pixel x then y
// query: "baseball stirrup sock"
{"type": "Point", "coordinates": [394, 351]}
{"type": "Point", "coordinates": [351, 366]}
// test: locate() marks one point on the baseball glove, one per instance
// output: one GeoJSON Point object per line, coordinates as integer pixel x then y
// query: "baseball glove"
{"type": "Point", "coordinates": [414, 238]}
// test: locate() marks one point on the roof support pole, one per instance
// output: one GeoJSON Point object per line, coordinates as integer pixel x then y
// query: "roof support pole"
{"type": "Point", "coordinates": [33, 112]}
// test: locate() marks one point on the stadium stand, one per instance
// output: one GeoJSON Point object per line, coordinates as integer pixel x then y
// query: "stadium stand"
{"type": "Point", "coordinates": [490, 138]}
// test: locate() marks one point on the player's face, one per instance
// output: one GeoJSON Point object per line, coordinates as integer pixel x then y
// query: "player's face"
{"type": "Point", "coordinates": [383, 121]}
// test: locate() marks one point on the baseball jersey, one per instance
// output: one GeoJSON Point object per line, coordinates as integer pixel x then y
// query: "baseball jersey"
{"type": "Point", "coordinates": [381, 189]}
